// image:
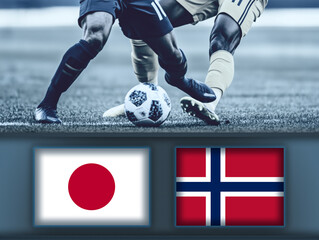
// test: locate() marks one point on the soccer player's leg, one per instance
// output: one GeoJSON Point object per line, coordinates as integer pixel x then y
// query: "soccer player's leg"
{"type": "Point", "coordinates": [174, 62]}
{"type": "Point", "coordinates": [224, 39]}
{"type": "Point", "coordinates": [171, 58]}
{"type": "Point", "coordinates": [97, 26]}
{"type": "Point", "coordinates": [145, 65]}
{"type": "Point", "coordinates": [144, 60]}
{"type": "Point", "coordinates": [233, 22]}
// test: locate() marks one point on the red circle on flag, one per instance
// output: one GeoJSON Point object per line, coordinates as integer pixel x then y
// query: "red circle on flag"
{"type": "Point", "coordinates": [91, 186]}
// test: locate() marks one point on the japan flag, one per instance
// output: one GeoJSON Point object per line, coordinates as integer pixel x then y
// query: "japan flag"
{"type": "Point", "coordinates": [91, 186]}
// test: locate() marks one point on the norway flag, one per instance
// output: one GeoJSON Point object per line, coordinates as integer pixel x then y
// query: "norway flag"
{"type": "Point", "coordinates": [229, 186]}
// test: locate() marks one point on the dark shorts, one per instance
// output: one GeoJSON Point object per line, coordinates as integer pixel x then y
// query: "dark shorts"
{"type": "Point", "coordinates": [139, 19]}
{"type": "Point", "coordinates": [91, 6]}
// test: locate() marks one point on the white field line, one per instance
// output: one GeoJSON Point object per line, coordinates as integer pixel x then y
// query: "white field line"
{"type": "Point", "coordinates": [79, 124]}
{"type": "Point", "coordinates": [25, 124]}
{"type": "Point", "coordinates": [67, 16]}
{"type": "Point", "coordinates": [18, 124]}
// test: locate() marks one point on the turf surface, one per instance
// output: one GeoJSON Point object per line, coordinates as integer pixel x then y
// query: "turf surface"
{"type": "Point", "coordinates": [275, 87]}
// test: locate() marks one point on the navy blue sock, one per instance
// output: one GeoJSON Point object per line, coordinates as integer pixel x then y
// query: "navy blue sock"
{"type": "Point", "coordinates": [175, 71]}
{"type": "Point", "coordinates": [74, 61]}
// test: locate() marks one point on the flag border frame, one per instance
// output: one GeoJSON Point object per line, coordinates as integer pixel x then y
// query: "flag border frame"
{"type": "Point", "coordinates": [245, 226]}
{"type": "Point", "coordinates": [34, 225]}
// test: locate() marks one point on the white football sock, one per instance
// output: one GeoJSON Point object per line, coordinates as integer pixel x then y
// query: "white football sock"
{"type": "Point", "coordinates": [212, 105]}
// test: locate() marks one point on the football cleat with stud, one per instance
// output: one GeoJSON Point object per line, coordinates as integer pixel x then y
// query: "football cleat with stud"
{"type": "Point", "coordinates": [46, 115]}
{"type": "Point", "coordinates": [198, 109]}
{"type": "Point", "coordinates": [117, 111]}
{"type": "Point", "coordinates": [198, 90]}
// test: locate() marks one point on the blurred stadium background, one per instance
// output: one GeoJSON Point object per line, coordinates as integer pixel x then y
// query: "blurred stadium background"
{"type": "Point", "coordinates": [274, 90]}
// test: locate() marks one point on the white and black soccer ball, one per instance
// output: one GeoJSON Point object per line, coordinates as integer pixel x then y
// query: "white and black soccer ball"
{"type": "Point", "coordinates": [147, 105]}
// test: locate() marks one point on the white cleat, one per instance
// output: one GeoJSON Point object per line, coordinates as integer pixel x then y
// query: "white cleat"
{"type": "Point", "coordinates": [118, 111]}
{"type": "Point", "coordinates": [198, 109]}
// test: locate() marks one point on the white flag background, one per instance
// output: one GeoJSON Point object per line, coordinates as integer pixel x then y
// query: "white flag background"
{"type": "Point", "coordinates": [129, 168]}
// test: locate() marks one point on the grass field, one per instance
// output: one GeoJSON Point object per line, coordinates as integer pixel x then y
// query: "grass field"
{"type": "Point", "coordinates": [275, 87]}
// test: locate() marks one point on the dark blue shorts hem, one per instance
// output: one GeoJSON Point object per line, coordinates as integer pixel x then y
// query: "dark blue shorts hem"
{"type": "Point", "coordinates": [91, 6]}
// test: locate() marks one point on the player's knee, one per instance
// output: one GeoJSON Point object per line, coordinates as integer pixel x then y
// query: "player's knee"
{"type": "Point", "coordinates": [96, 41]}
{"type": "Point", "coordinates": [217, 42]}
{"type": "Point", "coordinates": [96, 37]}
{"type": "Point", "coordinates": [225, 35]}
{"type": "Point", "coordinates": [97, 30]}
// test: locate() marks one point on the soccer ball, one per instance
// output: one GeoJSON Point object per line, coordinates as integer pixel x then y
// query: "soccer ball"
{"type": "Point", "coordinates": [147, 105]}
